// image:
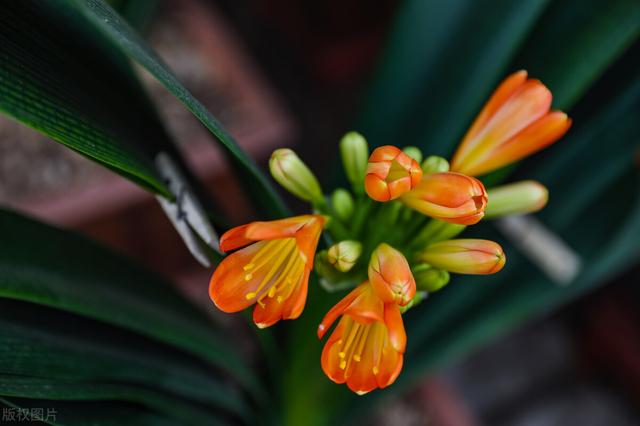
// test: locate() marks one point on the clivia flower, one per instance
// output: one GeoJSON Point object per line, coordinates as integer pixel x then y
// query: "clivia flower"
{"type": "Point", "coordinates": [515, 123]}
{"type": "Point", "coordinates": [272, 271]}
{"type": "Point", "coordinates": [516, 198]}
{"type": "Point", "coordinates": [388, 253]}
{"type": "Point", "coordinates": [465, 256]}
{"type": "Point", "coordinates": [390, 275]}
{"type": "Point", "coordinates": [390, 173]}
{"type": "Point", "coordinates": [451, 197]}
{"type": "Point", "coordinates": [366, 349]}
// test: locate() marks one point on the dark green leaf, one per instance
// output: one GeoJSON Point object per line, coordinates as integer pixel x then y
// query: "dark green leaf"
{"type": "Point", "coordinates": [61, 78]}
{"type": "Point", "coordinates": [40, 342]}
{"type": "Point", "coordinates": [123, 38]}
{"type": "Point", "coordinates": [52, 267]}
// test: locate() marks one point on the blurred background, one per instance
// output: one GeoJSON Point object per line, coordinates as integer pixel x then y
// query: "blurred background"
{"type": "Point", "coordinates": [300, 74]}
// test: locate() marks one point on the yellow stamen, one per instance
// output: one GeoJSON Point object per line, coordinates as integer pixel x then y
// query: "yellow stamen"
{"type": "Point", "coordinates": [278, 252]}
{"type": "Point", "coordinates": [250, 295]}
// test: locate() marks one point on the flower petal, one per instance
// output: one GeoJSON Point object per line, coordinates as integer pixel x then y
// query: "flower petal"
{"type": "Point", "coordinates": [395, 327]}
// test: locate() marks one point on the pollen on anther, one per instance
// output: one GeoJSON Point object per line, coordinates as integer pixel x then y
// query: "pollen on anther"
{"type": "Point", "coordinates": [341, 354]}
{"type": "Point", "coordinates": [272, 291]}
{"type": "Point", "coordinates": [343, 364]}
{"type": "Point", "coordinates": [250, 295]}
{"type": "Point", "coordinates": [357, 358]}
{"type": "Point", "coordinates": [248, 277]}
{"type": "Point", "coordinates": [248, 266]}
{"type": "Point", "coordinates": [279, 299]}
{"type": "Point", "coordinates": [375, 370]}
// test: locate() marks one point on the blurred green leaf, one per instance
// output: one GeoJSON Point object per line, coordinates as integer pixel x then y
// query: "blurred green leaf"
{"type": "Point", "coordinates": [66, 271]}
{"type": "Point", "coordinates": [40, 388]}
{"type": "Point", "coordinates": [41, 343]}
{"type": "Point", "coordinates": [586, 38]}
{"type": "Point", "coordinates": [123, 37]}
{"type": "Point", "coordinates": [440, 63]}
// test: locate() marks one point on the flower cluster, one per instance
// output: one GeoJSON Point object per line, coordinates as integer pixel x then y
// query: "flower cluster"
{"type": "Point", "coordinates": [393, 239]}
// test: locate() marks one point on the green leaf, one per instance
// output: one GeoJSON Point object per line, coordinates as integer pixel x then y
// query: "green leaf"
{"type": "Point", "coordinates": [586, 38]}
{"type": "Point", "coordinates": [42, 388]}
{"type": "Point", "coordinates": [44, 343]}
{"type": "Point", "coordinates": [122, 36]}
{"type": "Point", "coordinates": [44, 265]}
{"type": "Point", "coordinates": [59, 77]}
{"type": "Point", "coordinates": [440, 64]}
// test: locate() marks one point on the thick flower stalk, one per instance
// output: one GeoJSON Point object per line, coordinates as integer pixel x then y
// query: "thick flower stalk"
{"type": "Point", "coordinates": [392, 239]}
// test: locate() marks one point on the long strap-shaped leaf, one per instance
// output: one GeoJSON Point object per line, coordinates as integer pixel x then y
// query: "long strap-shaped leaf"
{"type": "Point", "coordinates": [59, 78]}
{"type": "Point", "coordinates": [41, 388]}
{"type": "Point", "coordinates": [124, 38]}
{"type": "Point", "coordinates": [44, 265]}
{"type": "Point", "coordinates": [39, 342]}
{"type": "Point", "coordinates": [440, 63]}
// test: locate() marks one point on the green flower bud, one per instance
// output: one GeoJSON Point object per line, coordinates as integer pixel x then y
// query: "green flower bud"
{"type": "Point", "coordinates": [413, 152]}
{"type": "Point", "coordinates": [290, 172]}
{"type": "Point", "coordinates": [435, 164]}
{"type": "Point", "coordinates": [342, 202]}
{"type": "Point", "coordinates": [355, 155]}
{"type": "Point", "coordinates": [430, 279]}
{"type": "Point", "coordinates": [516, 198]}
{"type": "Point", "coordinates": [344, 255]}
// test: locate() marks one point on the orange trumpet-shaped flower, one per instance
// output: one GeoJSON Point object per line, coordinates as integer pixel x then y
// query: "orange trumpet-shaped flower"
{"type": "Point", "coordinates": [390, 276]}
{"type": "Point", "coordinates": [515, 123]}
{"type": "Point", "coordinates": [272, 270]}
{"type": "Point", "coordinates": [465, 256]}
{"type": "Point", "coordinates": [390, 173]}
{"type": "Point", "coordinates": [451, 197]}
{"type": "Point", "coordinates": [366, 349]}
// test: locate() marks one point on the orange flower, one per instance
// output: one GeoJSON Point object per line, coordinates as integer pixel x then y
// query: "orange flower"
{"type": "Point", "coordinates": [390, 276]}
{"type": "Point", "coordinates": [515, 123]}
{"type": "Point", "coordinates": [465, 256]}
{"type": "Point", "coordinates": [390, 173]}
{"type": "Point", "coordinates": [366, 349]}
{"type": "Point", "coordinates": [272, 271]}
{"type": "Point", "coordinates": [451, 197]}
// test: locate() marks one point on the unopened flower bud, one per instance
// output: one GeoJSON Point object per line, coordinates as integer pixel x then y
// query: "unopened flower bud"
{"type": "Point", "coordinates": [516, 198]}
{"type": "Point", "coordinates": [354, 151]}
{"type": "Point", "coordinates": [344, 255]}
{"type": "Point", "coordinates": [435, 164]}
{"type": "Point", "coordinates": [390, 173]}
{"type": "Point", "coordinates": [514, 123]}
{"type": "Point", "coordinates": [342, 203]}
{"type": "Point", "coordinates": [413, 152]}
{"type": "Point", "coordinates": [290, 172]}
{"type": "Point", "coordinates": [451, 197]}
{"type": "Point", "coordinates": [430, 279]}
{"type": "Point", "coordinates": [390, 275]}
{"type": "Point", "coordinates": [465, 256]}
